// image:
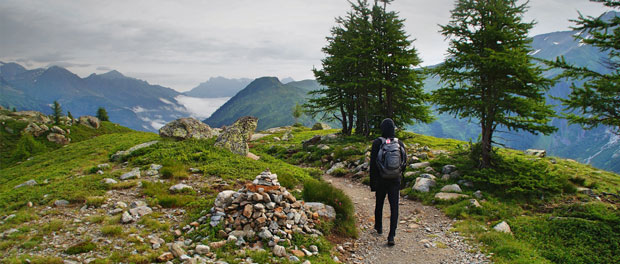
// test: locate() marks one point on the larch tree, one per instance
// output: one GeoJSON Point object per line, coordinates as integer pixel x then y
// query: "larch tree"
{"type": "Point", "coordinates": [596, 101]}
{"type": "Point", "coordinates": [489, 75]}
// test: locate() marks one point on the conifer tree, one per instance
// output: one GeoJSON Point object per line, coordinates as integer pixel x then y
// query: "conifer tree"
{"type": "Point", "coordinates": [56, 112]}
{"type": "Point", "coordinates": [102, 114]}
{"type": "Point", "coordinates": [14, 109]}
{"type": "Point", "coordinates": [489, 75]}
{"type": "Point", "coordinates": [70, 116]}
{"type": "Point", "coordinates": [369, 73]}
{"type": "Point", "coordinates": [596, 101]}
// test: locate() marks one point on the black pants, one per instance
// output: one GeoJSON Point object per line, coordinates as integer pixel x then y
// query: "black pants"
{"type": "Point", "coordinates": [392, 191]}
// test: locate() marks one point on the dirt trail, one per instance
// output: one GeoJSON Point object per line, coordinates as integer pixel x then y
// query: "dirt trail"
{"type": "Point", "coordinates": [423, 234]}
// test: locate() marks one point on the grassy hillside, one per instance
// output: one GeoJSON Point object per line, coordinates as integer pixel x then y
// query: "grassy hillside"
{"type": "Point", "coordinates": [269, 100]}
{"type": "Point", "coordinates": [551, 219]}
{"type": "Point", "coordinates": [81, 228]}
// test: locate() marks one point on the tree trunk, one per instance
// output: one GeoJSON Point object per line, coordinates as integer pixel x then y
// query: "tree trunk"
{"type": "Point", "coordinates": [345, 128]}
{"type": "Point", "coordinates": [487, 148]}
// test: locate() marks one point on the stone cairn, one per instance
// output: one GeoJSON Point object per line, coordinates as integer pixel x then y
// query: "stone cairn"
{"type": "Point", "coordinates": [265, 209]}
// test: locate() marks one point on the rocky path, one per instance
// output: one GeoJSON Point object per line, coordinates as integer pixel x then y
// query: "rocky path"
{"type": "Point", "coordinates": [423, 234]}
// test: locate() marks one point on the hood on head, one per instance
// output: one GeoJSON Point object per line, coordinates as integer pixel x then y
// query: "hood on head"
{"type": "Point", "coordinates": [387, 128]}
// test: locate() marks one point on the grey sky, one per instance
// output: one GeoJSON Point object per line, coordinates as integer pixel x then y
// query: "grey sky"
{"type": "Point", "coordinates": [179, 44]}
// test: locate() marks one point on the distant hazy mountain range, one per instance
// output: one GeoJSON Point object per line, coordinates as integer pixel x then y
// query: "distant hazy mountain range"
{"type": "Point", "coordinates": [130, 102]}
{"type": "Point", "coordinates": [217, 87]}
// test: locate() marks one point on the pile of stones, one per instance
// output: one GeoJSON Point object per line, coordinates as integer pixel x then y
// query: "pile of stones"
{"type": "Point", "coordinates": [265, 209]}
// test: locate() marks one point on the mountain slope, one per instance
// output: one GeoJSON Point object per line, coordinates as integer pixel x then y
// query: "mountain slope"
{"type": "Point", "coordinates": [217, 87]}
{"type": "Point", "coordinates": [266, 98]}
{"type": "Point", "coordinates": [130, 102]}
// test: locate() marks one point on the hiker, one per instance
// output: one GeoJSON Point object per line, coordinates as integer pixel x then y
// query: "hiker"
{"type": "Point", "coordinates": [387, 164]}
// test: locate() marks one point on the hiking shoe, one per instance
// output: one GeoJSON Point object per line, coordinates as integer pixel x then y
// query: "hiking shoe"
{"type": "Point", "coordinates": [378, 231]}
{"type": "Point", "coordinates": [391, 242]}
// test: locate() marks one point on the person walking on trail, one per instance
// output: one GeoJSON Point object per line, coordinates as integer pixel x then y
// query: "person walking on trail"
{"type": "Point", "coordinates": [387, 163]}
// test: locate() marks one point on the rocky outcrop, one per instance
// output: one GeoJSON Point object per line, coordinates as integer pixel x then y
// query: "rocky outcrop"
{"type": "Point", "coordinates": [58, 139]}
{"type": "Point", "coordinates": [90, 121]}
{"type": "Point", "coordinates": [186, 128]}
{"type": "Point", "coordinates": [29, 116]}
{"type": "Point", "coordinates": [320, 126]}
{"type": "Point", "coordinates": [36, 130]}
{"type": "Point", "coordinates": [236, 137]}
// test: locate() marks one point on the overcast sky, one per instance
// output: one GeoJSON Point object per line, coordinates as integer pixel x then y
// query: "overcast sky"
{"type": "Point", "coordinates": [179, 44]}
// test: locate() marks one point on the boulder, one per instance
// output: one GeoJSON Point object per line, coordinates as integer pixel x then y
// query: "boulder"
{"type": "Point", "coordinates": [58, 139]}
{"type": "Point", "coordinates": [449, 196]}
{"type": "Point", "coordinates": [119, 155]}
{"type": "Point", "coordinates": [423, 184]}
{"type": "Point", "coordinates": [287, 136]}
{"type": "Point", "coordinates": [420, 165]}
{"type": "Point", "coordinates": [180, 187]}
{"type": "Point", "coordinates": [35, 129]}
{"type": "Point", "coordinates": [109, 181]}
{"type": "Point", "coordinates": [90, 121]}
{"type": "Point", "coordinates": [203, 249]}
{"type": "Point", "coordinates": [320, 126]}
{"type": "Point", "coordinates": [279, 251]}
{"type": "Point", "coordinates": [126, 218]}
{"type": "Point", "coordinates": [186, 128]}
{"type": "Point", "coordinates": [455, 188]}
{"type": "Point", "coordinates": [26, 183]}
{"type": "Point", "coordinates": [235, 137]}
{"type": "Point", "coordinates": [177, 249]}
{"type": "Point", "coordinates": [313, 141]}
{"type": "Point", "coordinates": [474, 203]}
{"type": "Point", "coordinates": [503, 227]}
{"type": "Point", "coordinates": [336, 166]}
{"type": "Point", "coordinates": [134, 173]}
{"type": "Point", "coordinates": [448, 169]}
{"type": "Point", "coordinates": [541, 153]}
{"type": "Point", "coordinates": [58, 130]}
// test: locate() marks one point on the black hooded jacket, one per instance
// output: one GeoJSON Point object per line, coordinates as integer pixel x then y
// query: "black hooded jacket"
{"type": "Point", "coordinates": [387, 131]}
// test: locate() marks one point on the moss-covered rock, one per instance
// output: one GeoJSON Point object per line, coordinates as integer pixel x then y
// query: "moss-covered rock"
{"type": "Point", "coordinates": [186, 128]}
{"type": "Point", "coordinates": [236, 137]}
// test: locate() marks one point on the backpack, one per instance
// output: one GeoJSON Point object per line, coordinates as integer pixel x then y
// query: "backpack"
{"type": "Point", "coordinates": [390, 159]}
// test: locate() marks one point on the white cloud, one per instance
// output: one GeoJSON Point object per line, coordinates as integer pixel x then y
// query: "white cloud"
{"type": "Point", "coordinates": [180, 44]}
{"type": "Point", "coordinates": [201, 108]}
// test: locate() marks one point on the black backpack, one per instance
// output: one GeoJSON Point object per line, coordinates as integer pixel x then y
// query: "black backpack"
{"type": "Point", "coordinates": [390, 159]}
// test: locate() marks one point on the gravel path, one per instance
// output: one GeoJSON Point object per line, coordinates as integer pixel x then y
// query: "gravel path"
{"type": "Point", "coordinates": [423, 234]}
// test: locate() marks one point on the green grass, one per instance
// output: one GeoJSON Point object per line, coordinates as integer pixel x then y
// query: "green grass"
{"type": "Point", "coordinates": [317, 191]}
{"type": "Point", "coordinates": [61, 166]}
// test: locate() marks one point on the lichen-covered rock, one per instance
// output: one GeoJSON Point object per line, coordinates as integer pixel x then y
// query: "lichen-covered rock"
{"type": "Point", "coordinates": [236, 137]}
{"type": "Point", "coordinates": [423, 184]}
{"type": "Point", "coordinates": [90, 121]}
{"type": "Point", "coordinates": [453, 188]}
{"type": "Point", "coordinates": [449, 196]}
{"type": "Point", "coordinates": [35, 129]}
{"type": "Point", "coordinates": [186, 128]}
{"type": "Point", "coordinates": [320, 126]}
{"type": "Point", "coordinates": [58, 139]}
{"type": "Point", "coordinates": [322, 209]}
{"type": "Point", "coordinates": [120, 154]}
{"type": "Point", "coordinates": [58, 130]}
{"type": "Point", "coordinates": [541, 153]}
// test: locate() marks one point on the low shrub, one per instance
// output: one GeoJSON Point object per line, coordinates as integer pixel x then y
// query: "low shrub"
{"type": "Point", "coordinates": [82, 247]}
{"type": "Point", "coordinates": [112, 230]}
{"type": "Point", "coordinates": [95, 201]}
{"type": "Point", "coordinates": [317, 191]}
{"type": "Point", "coordinates": [173, 169]}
